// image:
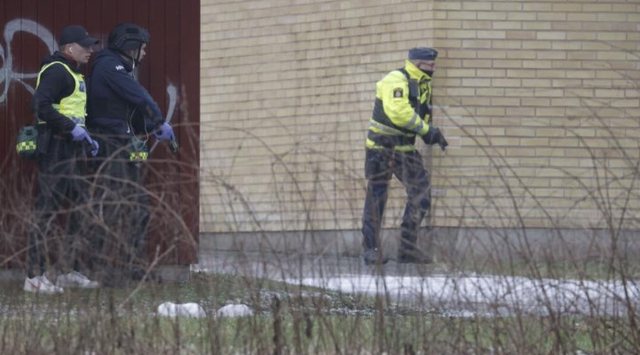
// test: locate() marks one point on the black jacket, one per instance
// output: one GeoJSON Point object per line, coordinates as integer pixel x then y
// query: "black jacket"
{"type": "Point", "coordinates": [117, 103]}
{"type": "Point", "coordinates": [55, 84]}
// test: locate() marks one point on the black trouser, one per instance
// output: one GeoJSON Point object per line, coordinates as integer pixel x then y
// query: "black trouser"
{"type": "Point", "coordinates": [380, 166]}
{"type": "Point", "coordinates": [62, 187]}
{"type": "Point", "coordinates": [121, 202]}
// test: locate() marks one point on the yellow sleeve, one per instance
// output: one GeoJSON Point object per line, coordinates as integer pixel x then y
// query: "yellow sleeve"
{"type": "Point", "coordinates": [393, 90]}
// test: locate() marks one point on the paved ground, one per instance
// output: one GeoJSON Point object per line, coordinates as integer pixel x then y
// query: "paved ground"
{"type": "Point", "coordinates": [432, 287]}
{"type": "Point", "coordinates": [292, 266]}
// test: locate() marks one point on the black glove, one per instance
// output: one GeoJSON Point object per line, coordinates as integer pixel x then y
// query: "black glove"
{"type": "Point", "coordinates": [434, 136]}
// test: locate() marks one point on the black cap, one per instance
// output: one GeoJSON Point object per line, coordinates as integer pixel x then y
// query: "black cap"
{"type": "Point", "coordinates": [423, 53]}
{"type": "Point", "coordinates": [76, 34]}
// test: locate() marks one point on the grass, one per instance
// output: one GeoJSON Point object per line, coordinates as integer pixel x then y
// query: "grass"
{"type": "Point", "coordinates": [297, 333]}
{"type": "Point", "coordinates": [211, 291]}
{"type": "Point", "coordinates": [288, 319]}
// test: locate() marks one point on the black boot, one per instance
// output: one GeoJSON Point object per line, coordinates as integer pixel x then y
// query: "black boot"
{"type": "Point", "coordinates": [413, 256]}
{"type": "Point", "coordinates": [374, 257]}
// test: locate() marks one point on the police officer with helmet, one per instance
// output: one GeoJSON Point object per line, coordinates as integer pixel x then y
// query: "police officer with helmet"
{"type": "Point", "coordinates": [123, 116]}
{"type": "Point", "coordinates": [402, 112]}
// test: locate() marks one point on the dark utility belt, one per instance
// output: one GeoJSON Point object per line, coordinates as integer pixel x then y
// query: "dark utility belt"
{"type": "Point", "coordinates": [390, 141]}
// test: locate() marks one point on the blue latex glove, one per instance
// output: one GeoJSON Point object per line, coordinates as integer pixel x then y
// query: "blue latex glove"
{"type": "Point", "coordinates": [164, 133]}
{"type": "Point", "coordinates": [79, 133]}
{"type": "Point", "coordinates": [95, 147]}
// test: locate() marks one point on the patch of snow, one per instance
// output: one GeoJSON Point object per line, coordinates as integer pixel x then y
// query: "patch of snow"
{"type": "Point", "coordinates": [170, 309]}
{"type": "Point", "coordinates": [517, 294]}
{"type": "Point", "coordinates": [235, 310]}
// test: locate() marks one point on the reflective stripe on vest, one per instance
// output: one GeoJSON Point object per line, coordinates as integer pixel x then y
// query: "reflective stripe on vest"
{"type": "Point", "coordinates": [138, 156]}
{"type": "Point", "coordinates": [370, 144]}
{"type": "Point", "coordinates": [74, 105]}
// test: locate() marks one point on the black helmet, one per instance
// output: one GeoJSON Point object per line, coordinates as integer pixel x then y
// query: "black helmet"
{"type": "Point", "coordinates": [127, 36]}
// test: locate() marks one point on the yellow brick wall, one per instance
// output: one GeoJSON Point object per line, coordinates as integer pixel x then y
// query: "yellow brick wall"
{"type": "Point", "coordinates": [539, 100]}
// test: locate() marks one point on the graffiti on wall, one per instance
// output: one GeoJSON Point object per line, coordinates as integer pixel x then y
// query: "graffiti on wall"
{"type": "Point", "coordinates": [8, 75]}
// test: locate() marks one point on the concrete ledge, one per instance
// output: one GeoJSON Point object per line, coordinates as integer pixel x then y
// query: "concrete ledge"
{"type": "Point", "coordinates": [444, 243]}
{"type": "Point", "coordinates": [306, 242]}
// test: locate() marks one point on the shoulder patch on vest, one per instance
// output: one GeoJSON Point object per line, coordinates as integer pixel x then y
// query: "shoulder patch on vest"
{"type": "Point", "coordinates": [397, 92]}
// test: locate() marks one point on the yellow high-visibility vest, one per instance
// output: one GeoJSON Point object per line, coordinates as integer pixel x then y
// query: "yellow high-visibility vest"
{"type": "Point", "coordinates": [73, 106]}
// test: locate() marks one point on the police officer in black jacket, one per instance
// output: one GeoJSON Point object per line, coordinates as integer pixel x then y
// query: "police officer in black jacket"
{"type": "Point", "coordinates": [123, 116]}
{"type": "Point", "coordinates": [59, 103]}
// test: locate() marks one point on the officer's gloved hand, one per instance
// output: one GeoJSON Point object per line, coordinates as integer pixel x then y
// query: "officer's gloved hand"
{"type": "Point", "coordinates": [79, 133]}
{"type": "Point", "coordinates": [95, 147]}
{"type": "Point", "coordinates": [164, 132]}
{"type": "Point", "coordinates": [435, 136]}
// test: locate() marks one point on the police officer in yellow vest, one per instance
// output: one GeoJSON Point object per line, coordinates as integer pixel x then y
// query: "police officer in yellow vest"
{"type": "Point", "coordinates": [402, 111]}
{"type": "Point", "coordinates": [59, 104]}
